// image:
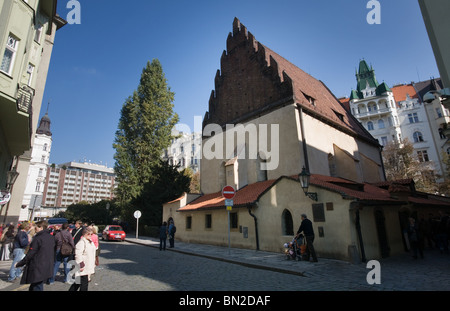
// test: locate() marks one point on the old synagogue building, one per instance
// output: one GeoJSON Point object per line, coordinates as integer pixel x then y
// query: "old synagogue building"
{"type": "Point", "coordinates": [267, 120]}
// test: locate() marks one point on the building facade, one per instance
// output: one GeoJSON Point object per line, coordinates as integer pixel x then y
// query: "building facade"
{"type": "Point", "coordinates": [40, 156]}
{"type": "Point", "coordinates": [399, 113]}
{"type": "Point", "coordinates": [27, 34]}
{"type": "Point", "coordinates": [73, 182]}
{"type": "Point", "coordinates": [185, 150]}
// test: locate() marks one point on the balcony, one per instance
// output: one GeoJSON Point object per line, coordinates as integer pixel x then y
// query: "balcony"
{"type": "Point", "coordinates": [378, 112]}
{"type": "Point", "coordinates": [16, 119]}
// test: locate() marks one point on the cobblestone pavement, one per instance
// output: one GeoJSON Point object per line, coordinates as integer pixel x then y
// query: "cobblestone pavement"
{"type": "Point", "coordinates": [138, 265]}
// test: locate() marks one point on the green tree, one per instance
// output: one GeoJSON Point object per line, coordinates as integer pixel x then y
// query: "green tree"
{"type": "Point", "coordinates": [400, 162]}
{"type": "Point", "coordinates": [144, 131]}
{"type": "Point", "coordinates": [166, 184]}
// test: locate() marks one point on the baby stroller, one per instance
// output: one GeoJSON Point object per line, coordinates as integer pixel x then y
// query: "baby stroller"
{"type": "Point", "coordinates": [295, 249]}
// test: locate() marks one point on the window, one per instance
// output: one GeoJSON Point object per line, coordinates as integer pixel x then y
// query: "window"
{"type": "Point", "coordinates": [380, 124]}
{"type": "Point", "coordinates": [38, 187]}
{"type": "Point", "coordinates": [413, 118]}
{"type": "Point", "coordinates": [30, 70]}
{"type": "Point", "coordinates": [189, 222]}
{"type": "Point", "coordinates": [417, 136]}
{"type": "Point", "coordinates": [208, 221]}
{"type": "Point", "coordinates": [370, 126]}
{"type": "Point", "coordinates": [37, 35]}
{"type": "Point", "coordinates": [45, 147]}
{"type": "Point", "coordinates": [439, 112]}
{"type": "Point", "coordinates": [287, 223]}
{"type": "Point", "coordinates": [384, 140]}
{"type": "Point", "coordinates": [9, 55]}
{"type": "Point", "coordinates": [233, 220]}
{"type": "Point", "coordinates": [422, 155]}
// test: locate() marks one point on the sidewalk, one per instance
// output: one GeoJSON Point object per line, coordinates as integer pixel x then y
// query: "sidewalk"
{"type": "Point", "coordinates": [398, 273]}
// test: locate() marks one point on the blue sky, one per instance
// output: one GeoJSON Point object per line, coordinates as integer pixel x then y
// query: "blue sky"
{"type": "Point", "coordinates": [97, 64]}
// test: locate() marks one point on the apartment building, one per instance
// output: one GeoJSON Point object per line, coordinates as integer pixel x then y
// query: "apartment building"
{"type": "Point", "coordinates": [73, 182]}
{"type": "Point", "coordinates": [27, 35]}
{"type": "Point", "coordinates": [185, 150]}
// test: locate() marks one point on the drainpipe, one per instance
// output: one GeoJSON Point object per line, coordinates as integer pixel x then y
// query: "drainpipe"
{"type": "Point", "coordinates": [355, 206]}
{"type": "Point", "coordinates": [256, 225]}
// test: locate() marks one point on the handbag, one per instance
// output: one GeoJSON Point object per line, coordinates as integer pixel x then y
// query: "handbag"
{"type": "Point", "coordinates": [66, 248]}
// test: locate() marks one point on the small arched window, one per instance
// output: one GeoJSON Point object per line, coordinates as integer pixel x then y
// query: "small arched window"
{"type": "Point", "coordinates": [370, 126]}
{"type": "Point", "coordinates": [417, 136]}
{"type": "Point", "coordinates": [287, 223]}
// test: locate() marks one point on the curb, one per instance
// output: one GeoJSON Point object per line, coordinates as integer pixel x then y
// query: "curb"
{"type": "Point", "coordinates": [237, 262]}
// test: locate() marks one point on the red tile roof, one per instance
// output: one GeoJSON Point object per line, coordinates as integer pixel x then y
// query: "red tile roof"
{"type": "Point", "coordinates": [326, 105]}
{"type": "Point", "coordinates": [250, 194]}
{"type": "Point", "coordinates": [400, 92]}
{"type": "Point", "coordinates": [244, 196]}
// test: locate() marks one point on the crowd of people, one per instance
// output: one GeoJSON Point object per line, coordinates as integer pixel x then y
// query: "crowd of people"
{"type": "Point", "coordinates": [37, 252]}
{"type": "Point", "coordinates": [434, 232]}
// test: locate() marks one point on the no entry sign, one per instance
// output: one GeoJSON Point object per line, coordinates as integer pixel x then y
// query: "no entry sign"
{"type": "Point", "coordinates": [228, 192]}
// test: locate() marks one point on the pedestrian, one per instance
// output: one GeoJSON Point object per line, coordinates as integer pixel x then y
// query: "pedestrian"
{"type": "Point", "coordinates": [172, 230]}
{"type": "Point", "coordinates": [20, 245]}
{"type": "Point", "coordinates": [95, 240]}
{"type": "Point", "coordinates": [77, 232]}
{"type": "Point", "coordinates": [85, 259]}
{"type": "Point", "coordinates": [308, 231]}
{"type": "Point", "coordinates": [162, 236]}
{"type": "Point", "coordinates": [415, 238]}
{"type": "Point", "coordinates": [40, 259]}
{"type": "Point", "coordinates": [62, 236]}
{"type": "Point", "coordinates": [7, 241]}
{"type": "Point", "coordinates": [442, 237]}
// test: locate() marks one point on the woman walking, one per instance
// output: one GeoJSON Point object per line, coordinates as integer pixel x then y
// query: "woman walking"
{"type": "Point", "coordinates": [85, 259]}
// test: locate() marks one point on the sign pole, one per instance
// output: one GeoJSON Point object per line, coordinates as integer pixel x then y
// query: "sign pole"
{"type": "Point", "coordinates": [229, 238]}
{"type": "Point", "coordinates": [137, 215]}
{"type": "Point", "coordinates": [228, 193]}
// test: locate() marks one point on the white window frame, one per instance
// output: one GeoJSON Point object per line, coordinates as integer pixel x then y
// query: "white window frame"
{"type": "Point", "coordinates": [12, 49]}
{"type": "Point", "coordinates": [30, 70]}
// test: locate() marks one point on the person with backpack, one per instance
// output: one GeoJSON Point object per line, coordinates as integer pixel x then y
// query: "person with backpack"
{"type": "Point", "coordinates": [21, 242]}
{"type": "Point", "coordinates": [64, 241]}
{"type": "Point", "coordinates": [172, 230]}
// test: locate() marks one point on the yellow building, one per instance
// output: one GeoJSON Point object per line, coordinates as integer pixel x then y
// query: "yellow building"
{"type": "Point", "coordinates": [267, 120]}
{"type": "Point", "coordinates": [27, 33]}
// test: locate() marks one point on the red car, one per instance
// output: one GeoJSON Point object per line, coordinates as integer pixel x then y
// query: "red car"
{"type": "Point", "coordinates": [113, 232]}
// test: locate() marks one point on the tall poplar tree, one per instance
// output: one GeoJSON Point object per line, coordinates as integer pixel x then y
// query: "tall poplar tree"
{"type": "Point", "coordinates": [144, 131]}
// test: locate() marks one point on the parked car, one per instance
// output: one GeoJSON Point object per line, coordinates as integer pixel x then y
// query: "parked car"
{"type": "Point", "coordinates": [113, 232]}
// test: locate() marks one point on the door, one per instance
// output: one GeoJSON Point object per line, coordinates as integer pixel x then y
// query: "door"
{"type": "Point", "coordinates": [381, 232]}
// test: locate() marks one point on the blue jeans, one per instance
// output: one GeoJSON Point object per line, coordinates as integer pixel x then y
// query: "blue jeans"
{"type": "Point", "coordinates": [58, 260]}
{"type": "Point", "coordinates": [18, 255]}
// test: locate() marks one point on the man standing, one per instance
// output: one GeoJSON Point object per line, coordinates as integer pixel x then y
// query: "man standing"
{"type": "Point", "coordinates": [21, 242]}
{"type": "Point", "coordinates": [308, 231]}
{"type": "Point", "coordinates": [40, 259]}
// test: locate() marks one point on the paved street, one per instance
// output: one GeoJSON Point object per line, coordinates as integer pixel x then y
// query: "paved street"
{"type": "Point", "coordinates": [138, 265]}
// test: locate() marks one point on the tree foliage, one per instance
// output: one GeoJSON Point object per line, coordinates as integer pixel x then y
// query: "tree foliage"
{"type": "Point", "coordinates": [144, 131]}
{"type": "Point", "coordinates": [400, 162]}
{"type": "Point", "coordinates": [167, 183]}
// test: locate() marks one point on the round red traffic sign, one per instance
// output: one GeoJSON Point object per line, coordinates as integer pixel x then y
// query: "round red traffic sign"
{"type": "Point", "coordinates": [228, 192]}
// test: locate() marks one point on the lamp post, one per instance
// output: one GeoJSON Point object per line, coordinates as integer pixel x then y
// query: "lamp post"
{"type": "Point", "coordinates": [11, 177]}
{"type": "Point", "coordinates": [304, 178]}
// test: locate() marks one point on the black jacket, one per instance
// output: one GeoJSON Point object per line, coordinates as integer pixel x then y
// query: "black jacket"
{"type": "Point", "coordinates": [306, 227]}
{"type": "Point", "coordinates": [40, 259]}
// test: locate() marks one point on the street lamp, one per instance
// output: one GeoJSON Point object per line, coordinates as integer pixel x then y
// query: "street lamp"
{"type": "Point", "coordinates": [304, 178]}
{"type": "Point", "coordinates": [11, 177]}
